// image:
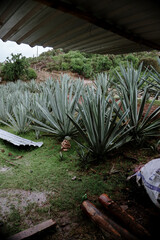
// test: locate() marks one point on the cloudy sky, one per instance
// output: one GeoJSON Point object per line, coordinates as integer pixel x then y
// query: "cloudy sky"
{"type": "Point", "coordinates": [6, 48]}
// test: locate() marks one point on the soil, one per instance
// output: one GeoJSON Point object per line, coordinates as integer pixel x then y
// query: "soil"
{"type": "Point", "coordinates": [19, 200]}
{"type": "Point", "coordinates": [42, 75]}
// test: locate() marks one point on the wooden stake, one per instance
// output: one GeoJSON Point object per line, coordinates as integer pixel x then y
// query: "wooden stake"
{"type": "Point", "coordinates": [108, 227]}
{"type": "Point", "coordinates": [127, 220]}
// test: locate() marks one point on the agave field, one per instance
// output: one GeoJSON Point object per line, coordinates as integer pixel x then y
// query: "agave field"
{"type": "Point", "coordinates": [69, 108]}
{"type": "Point", "coordinates": [100, 119]}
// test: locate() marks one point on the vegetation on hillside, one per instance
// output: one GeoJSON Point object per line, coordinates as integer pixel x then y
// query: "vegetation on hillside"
{"type": "Point", "coordinates": [89, 65]}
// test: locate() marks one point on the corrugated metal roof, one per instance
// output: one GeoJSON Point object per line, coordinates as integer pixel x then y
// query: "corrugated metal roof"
{"type": "Point", "coordinates": [104, 26]}
{"type": "Point", "coordinates": [18, 141]}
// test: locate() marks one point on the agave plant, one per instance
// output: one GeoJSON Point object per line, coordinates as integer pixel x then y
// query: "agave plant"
{"type": "Point", "coordinates": [43, 100]}
{"type": "Point", "coordinates": [155, 76]}
{"type": "Point", "coordinates": [129, 76]}
{"type": "Point", "coordinates": [5, 106]}
{"type": "Point", "coordinates": [33, 86]}
{"type": "Point", "coordinates": [48, 84]}
{"type": "Point", "coordinates": [102, 129]}
{"type": "Point", "coordinates": [103, 80]}
{"type": "Point", "coordinates": [143, 123]}
{"type": "Point", "coordinates": [64, 100]}
{"type": "Point", "coordinates": [18, 120]}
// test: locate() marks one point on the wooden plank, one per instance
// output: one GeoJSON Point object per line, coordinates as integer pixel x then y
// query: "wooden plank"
{"type": "Point", "coordinates": [33, 231]}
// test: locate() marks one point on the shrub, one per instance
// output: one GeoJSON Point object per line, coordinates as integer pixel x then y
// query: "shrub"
{"type": "Point", "coordinates": [31, 74]}
{"type": "Point", "coordinates": [15, 68]}
{"type": "Point", "coordinates": [77, 65]}
{"type": "Point", "coordinates": [87, 70]}
{"type": "Point", "coordinates": [133, 59]}
{"type": "Point", "coordinates": [149, 63]}
{"type": "Point", "coordinates": [65, 66]}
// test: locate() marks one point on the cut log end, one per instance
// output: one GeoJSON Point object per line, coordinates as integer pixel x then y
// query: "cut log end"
{"type": "Point", "coordinates": [123, 217]}
{"type": "Point", "coordinates": [111, 229]}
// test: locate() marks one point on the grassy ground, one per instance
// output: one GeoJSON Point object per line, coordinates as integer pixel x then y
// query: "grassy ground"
{"type": "Point", "coordinates": [42, 170]}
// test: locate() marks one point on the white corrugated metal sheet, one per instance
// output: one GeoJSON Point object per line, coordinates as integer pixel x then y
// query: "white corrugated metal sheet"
{"type": "Point", "coordinates": [18, 141]}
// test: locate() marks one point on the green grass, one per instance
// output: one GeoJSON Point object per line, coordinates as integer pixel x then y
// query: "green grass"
{"type": "Point", "coordinates": [42, 169]}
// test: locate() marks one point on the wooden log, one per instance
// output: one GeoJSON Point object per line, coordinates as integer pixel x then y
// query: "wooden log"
{"type": "Point", "coordinates": [33, 231]}
{"type": "Point", "coordinates": [108, 227]}
{"type": "Point", "coordinates": [123, 217]}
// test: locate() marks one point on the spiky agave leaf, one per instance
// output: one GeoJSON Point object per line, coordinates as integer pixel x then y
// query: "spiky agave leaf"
{"type": "Point", "coordinates": [5, 105]}
{"type": "Point", "coordinates": [155, 76]}
{"type": "Point", "coordinates": [64, 100]}
{"type": "Point", "coordinates": [18, 120]}
{"type": "Point", "coordinates": [129, 76]}
{"type": "Point", "coordinates": [103, 131]}
{"type": "Point", "coordinates": [104, 81]}
{"type": "Point", "coordinates": [143, 124]}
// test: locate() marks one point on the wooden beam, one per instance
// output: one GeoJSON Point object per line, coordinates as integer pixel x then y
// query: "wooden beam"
{"type": "Point", "coordinates": [33, 231]}
{"type": "Point", "coordinates": [100, 22]}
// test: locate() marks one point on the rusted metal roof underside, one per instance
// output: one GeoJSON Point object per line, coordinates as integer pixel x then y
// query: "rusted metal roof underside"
{"type": "Point", "coordinates": [104, 26]}
{"type": "Point", "coordinates": [18, 141]}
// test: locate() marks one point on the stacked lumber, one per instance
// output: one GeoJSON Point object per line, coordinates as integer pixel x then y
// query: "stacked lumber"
{"type": "Point", "coordinates": [116, 223]}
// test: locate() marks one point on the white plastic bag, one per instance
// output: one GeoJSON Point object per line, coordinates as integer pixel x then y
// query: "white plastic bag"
{"type": "Point", "coordinates": [149, 175]}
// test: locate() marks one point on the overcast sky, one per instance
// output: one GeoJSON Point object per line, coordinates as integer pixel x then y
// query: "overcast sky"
{"type": "Point", "coordinates": [6, 48]}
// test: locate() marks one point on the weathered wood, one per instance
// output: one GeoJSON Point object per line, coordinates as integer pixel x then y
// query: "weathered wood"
{"type": "Point", "coordinates": [33, 231]}
{"type": "Point", "coordinates": [127, 220]}
{"type": "Point", "coordinates": [108, 227]}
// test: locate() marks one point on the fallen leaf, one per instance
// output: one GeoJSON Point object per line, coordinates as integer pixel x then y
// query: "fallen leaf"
{"type": "Point", "coordinates": [113, 170]}
{"type": "Point", "coordinates": [18, 157]}
{"type": "Point", "coordinates": [124, 207]}
{"type": "Point", "coordinates": [74, 178]}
